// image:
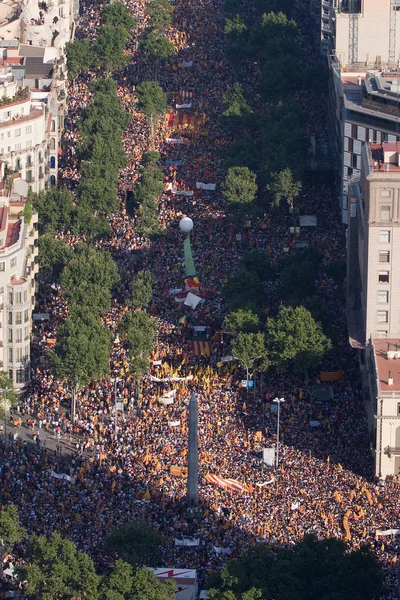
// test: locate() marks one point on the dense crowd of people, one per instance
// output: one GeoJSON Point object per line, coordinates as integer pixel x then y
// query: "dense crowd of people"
{"type": "Point", "coordinates": [324, 482]}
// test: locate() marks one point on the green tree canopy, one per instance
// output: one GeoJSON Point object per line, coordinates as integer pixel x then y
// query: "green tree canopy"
{"type": "Point", "coordinates": [54, 255]}
{"type": "Point", "coordinates": [118, 586]}
{"type": "Point", "coordinates": [7, 392]}
{"type": "Point", "coordinates": [236, 112]}
{"type": "Point", "coordinates": [239, 186]}
{"type": "Point", "coordinates": [159, 13]}
{"type": "Point", "coordinates": [146, 586]}
{"type": "Point", "coordinates": [136, 544]}
{"type": "Point", "coordinates": [56, 211]}
{"type": "Point", "coordinates": [116, 14]}
{"type": "Point", "coordinates": [244, 320]}
{"type": "Point", "coordinates": [248, 347]}
{"type": "Point", "coordinates": [284, 187]}
{"type": "Point", "coordinates": [142, 289]}
{"type": "Point", "coordinates": [88, 278]}
{"type": "Point", "coordinates": [156, 46]}
{"type": "Point", "coordinates": [138, 329]}
{"type": "Point", "coordinates": [109, 47]}
{"type": "Point", "coordinates": [298, 274]}
{"type": "Point", "coordinates": [11, 531]}
{"type": "Point", "coordinates": [55, 570]}
{"type": "Point", "coordinates": [244, 290]}
{"type": "Point", "coordinates": [151, 102]}
{"type": "Point", "coordinates": [257, 261]}
{"type": "Point", "coordinates": [80, 57]}
{"type": "Point", "coordinates": [311, 570]}
{"type": "Point", "coordinates": [295, 336]}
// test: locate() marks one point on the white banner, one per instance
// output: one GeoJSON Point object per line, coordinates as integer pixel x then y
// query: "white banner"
{"type": "Point", "coordinates": [174, 423]}
{"type": "Point", "coordinates": [227, 358]}
{"type": "Point", "coordinates": [173, 291]}
{"type": "Point", "coordinates": [179, 299]}
{"type": "Point", "coordinates": [187, 64]}
{"type": "Point", "coordinates": [266, 482]}
{"type": "Point", "coordinates": [187, 193]}
{"type": "Point", "coordinates": [206, 186]}
{"type": "Point", "coordinates": [166, 379]}
{"type": "Point", "coordinates": [173, 141]}
{"type": "Point", "coordinates": [167, 398]}
{"type": "Point", "coordinates": [389, 532]}
{"type": "Point", "coordinates": [192, 300]}
{"type": "Point", "coordinates": [187, 542]}
{"type": "Point", "coordinates": [220, 550]}
{"type": "Point", "coordinates": [187, 105]}
{"type": "Point", "coordinates": [157, 362]}
{"type": "Point", "coordinates": [63, 476]}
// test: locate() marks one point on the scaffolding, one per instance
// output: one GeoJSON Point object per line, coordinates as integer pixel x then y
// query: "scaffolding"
{"type": "Point", "coordinates": [353, 38]}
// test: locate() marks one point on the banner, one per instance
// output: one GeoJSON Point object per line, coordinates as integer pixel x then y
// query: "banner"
{"type": "Point", "coordinates": [187, 542]}
{"type": "Point", "coordinates": [167, 398]}
{"type": "Point", "coordinates": [266, 482]}
{"type": "Point", "coordinates": [62, 476]}
{"type": "Point", "coordinates": [388, 532]}
{"type": "Point", "coordinates": [187, 64]}
{"type": "Point", "coordinates": [201, 348]}
{"type": "Point", "coordinates": [173, 291]}
{"type": "Point", "coordinates": [225, 359]}
{"type": "Point", "coordinates": [166, 379]}
{"type": "Point", "coordinates": [192, 300]}
{"type": "Point", "coordinates": [187, 105]}
{"type": "Point", "coordinates": [178, 471]}
{"type": "Point", "coordinates": [220, 550]}
{"type": "Point", "coordinates": [206, 186]}
{"type": "Point", "coordinates": [173, 163]}
{"type": "Point", "coordinates": [174, 423]}
{"type": "Point", "coordinates": [190, 269]}
{"type": "Point", "coordinates": [173, 141]}
{"type": "Point", "coordinates": [187, 193]}
{"type": "Point", "coordinates": [330, 375]}
{"type": "Point", "coordinates": [230, 484]}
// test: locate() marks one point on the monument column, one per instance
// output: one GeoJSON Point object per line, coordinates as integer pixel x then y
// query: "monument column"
{"type": "Point", "coordinates": [192, 492]}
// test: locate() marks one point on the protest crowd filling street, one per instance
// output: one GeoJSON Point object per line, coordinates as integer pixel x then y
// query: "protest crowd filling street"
{"type": "Point", "coordinates": [324, 483]}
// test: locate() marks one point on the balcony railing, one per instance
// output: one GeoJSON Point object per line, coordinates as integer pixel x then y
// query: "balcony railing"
{"type": "Point", "coordinates": [389, 450]}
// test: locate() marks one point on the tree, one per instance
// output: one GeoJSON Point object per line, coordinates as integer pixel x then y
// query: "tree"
{"type": "Point", "coordinates": [136, 544]}
{"type": "Point", "coordinates": [80, 57]}
{"type": "Point", "coordinates": [242, 320]}
{"type": "Point", "coordinates": [11, 531]}
{"type": "Point", "coordinates": [82, 351]}
{"type": "Point", "coordinates": [55, 570]}
{"type": "Point", "coordinates": [283, 186]}
{"type": "Point", "coordinates": [54, 255]}
{"type": "Point", "coordinates": [237, 112]}
{"type": "Point", "coordinates": [118, 586]}
{"type": "Point", "coordinates": [151, 158]}
{"type": "Point", "coordinates": [151, 102]}
{"type": "Point", "coordinates": [311, 570]}
{"type": "Point", "coordinates": [240, 186]}
{"type": "Point", "coordinates": [295, 336]}
{"type": "Point", "coordinates": [244, 290]}
{"type": "Point", "coordinates": [109, 47]}
{"type": "Point", "coordinates": [247, 348]}
{"type": "Point", "coordinates": [159, 13]}
{"type": "Point", "coordinates": [142, 289]}
{"type": "Point", "coordinates": [105, 112]}
{"type": "Point", "coordinates": [146, 586]}
{"type": "Point", "coordinates": [298, 273]}
{"type": "Point", "coordinates": [157, 47]}
{"type": "Point", "coordinates": [137, 329]}
{"type": "Point", "coordinates": [116, 14]}
{"type": "Point", "coordinates": [8, 394]}
{"type": "Point", "coordinates": [257, 261]}
{"type": "Point", "coordinates": [55, 210]}
{"type": "Point", "coordinates": [88, 278]}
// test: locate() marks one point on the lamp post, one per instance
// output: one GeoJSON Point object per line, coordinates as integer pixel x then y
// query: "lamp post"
{"type": "Point", "coordinates": [186, 226]}
{"type": "Point", "coordinates": [278, 401]}
{"type": "Point", "coordinates": [5, 391]}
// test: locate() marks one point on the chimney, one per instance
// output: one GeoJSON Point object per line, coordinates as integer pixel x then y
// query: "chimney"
{"type": "Point", "coordinates": [390, 378]}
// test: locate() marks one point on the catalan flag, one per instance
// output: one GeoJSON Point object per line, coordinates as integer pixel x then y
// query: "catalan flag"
{"type": "Point", "coordinates": [178, 471]}
{"type": "Point", "coordinates": [201, 348]}
{"type": "Point", "coordinates": [181, 119]}
{"type": "Point", "coordinates": [230, 484]}
{"type": "Point", "coordinates": [330, 375]}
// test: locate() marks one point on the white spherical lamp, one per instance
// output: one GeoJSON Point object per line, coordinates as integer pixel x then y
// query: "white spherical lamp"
{"type": "Point", "coordinates": [186, 225]}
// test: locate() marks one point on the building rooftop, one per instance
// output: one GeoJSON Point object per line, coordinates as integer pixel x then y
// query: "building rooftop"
{"type": "Point", "coordinates": [387, 360]}
{"type": "Point", "coordinates": [384, 158]}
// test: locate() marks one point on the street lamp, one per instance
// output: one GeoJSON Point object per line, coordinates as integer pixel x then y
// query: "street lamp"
{"type": "Point", "coordinates": [5, 392]}
{"type": "Point", "coordinates": [278, 401]}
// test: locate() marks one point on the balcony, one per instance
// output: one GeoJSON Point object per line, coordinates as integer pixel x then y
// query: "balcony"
{"type": "Point", "coordinates": [389, 450]}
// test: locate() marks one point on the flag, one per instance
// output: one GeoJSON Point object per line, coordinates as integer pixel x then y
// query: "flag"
{"type": "Point", "coordinates": [230, 484]}
{"type": "Point", "coordinates": [330, 375]}
{"type": "Point", "coordinates": [190, 269]}
{"type": "Point", "coordinates": [178, 471]}
{"type": "Point", "coordinates": [183, 320]}
{"type": "Point", "coordinates": [201, 348]}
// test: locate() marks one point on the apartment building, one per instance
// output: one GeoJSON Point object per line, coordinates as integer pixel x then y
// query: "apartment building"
{"type": "Point", "coordinates": [18, 269]}
{"type": "Point", "coordinates": [384, 406]}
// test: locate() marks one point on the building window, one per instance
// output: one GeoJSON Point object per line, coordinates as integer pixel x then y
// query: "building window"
{"type": "Point", "coordinates": [17, 132]}
{"type": "Point", "coordinates": [383, 297]}
{"type": "Point", "coordinates": [18, 318]}
{"type": "Point", "coordinates": [2, 266]}
{"type": "Point", "coordinates": [10, 355]}
{"type": "Point", "coordinates": [18, 297]}
{"type": "Point", "coordinates": [18, 163]}
{"type": "Point", "coordinates": [383, 277]}
{"type": "Point", "coordinates": [384, 236]}
{"type": "Point", "coordinates": [28, 161]}
{"type": "Point", "coordinates": [29, 176]}
{"type": "Point", "coordinates": [17, 147]}
{"type": "Point", "coordinates": [13, 262]}
{"type": "Point", "coordinates": [7, 114]}
{"type": "Point", "coordinates": [28, 129]}
{"type": "Point", "coordinates": [382, 317]}
{"type": "Point", "coordinates": [381, 334]}
{"type": "Point", "coordinates": [10, 298]}
{"type": "Point", "coordinates": [385, 213]}
{"type": "Point", "coordinates": [10, 336]}
{"type": "Point", "coordinates": [18, 336]}
{"type": "Point", "coordinates": [18, 355]}
{"type": "Point", "coordinates": [11, 374]}
{"type": "Point", "coordinates": [29, 144]}
{"type": "Point", "coordinates": [384, 256]}
{"type": "Point", "coordinates": [26, 333]}
{"type": "Point", "coordinates": [26, 296]}
{"type": "Point", "coordinates": [20, 376]}
{"type": "Point", "coordinates": [26, 316]}
{"type": "Point", "coordinates": [385, 193]}
{"type": "Point", "coordinates": [398, 409]}
{"type": "Point", "coordinates": [10, 318]}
